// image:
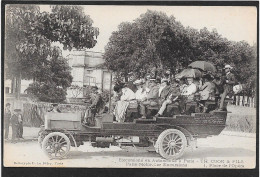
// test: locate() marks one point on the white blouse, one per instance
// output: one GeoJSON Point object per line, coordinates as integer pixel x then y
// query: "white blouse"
{"type": "Point", "coordinates": [127, 94]}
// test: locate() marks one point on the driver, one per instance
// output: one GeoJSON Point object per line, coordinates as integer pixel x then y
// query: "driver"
{"type": "Point", "coordinates": [96, 101]}
{"type": "Point", "coordinates": [96, 107]}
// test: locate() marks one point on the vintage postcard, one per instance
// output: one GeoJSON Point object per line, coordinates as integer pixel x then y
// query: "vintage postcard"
{"type": "Point", "coordinates": [130, 86]}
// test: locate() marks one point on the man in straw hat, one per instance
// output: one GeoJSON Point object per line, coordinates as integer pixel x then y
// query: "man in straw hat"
{"type": "Point", "coordinates": [228, 85]}
{"type": "Point", "coordinates": [141, 93]}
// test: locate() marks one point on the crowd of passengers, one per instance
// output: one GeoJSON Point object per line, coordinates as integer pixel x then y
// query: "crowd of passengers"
{"type": "Point", "coordinates": [154, 91]}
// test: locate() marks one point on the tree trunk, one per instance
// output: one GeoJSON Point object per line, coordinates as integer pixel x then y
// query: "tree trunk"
{"type": "Point", "coordinates": [13, 85]}
{"type": "Point", "coordinates": [18, 86]}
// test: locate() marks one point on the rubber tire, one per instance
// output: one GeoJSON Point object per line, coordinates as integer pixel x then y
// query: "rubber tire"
{"type": "Point", "coordinates": [45, 140]}
{"type": "Point", "coordinates": [161, 138]}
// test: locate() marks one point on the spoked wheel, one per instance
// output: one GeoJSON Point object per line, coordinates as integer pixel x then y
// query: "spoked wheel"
{"type": "Point", "coordinates": [171, 144]}
{"type": "Point", "coordinates": [56, 145]}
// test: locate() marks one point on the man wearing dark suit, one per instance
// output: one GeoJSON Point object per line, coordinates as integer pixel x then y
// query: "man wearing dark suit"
{"type": "Point", "coordinates": [130, 84]}
{"type": "Point", "coordinates": [96, 101]}
{"type": "Point", "coordinates": [96, 107]}
{"type": "Point", "coordinates": [7, 116]}
{"type": "Point", "coordinates": [14, 123]}
{"type": "Point", "coordinates": [20, 126]}
{"type": "Point", "coordinates": [228, 85]}
{"type": "Point", "coordinates": [152, 98]}
{"type": "Point", "coordinates": [168, 95]}
{"type": "Point", "coordinates": [164, 91]}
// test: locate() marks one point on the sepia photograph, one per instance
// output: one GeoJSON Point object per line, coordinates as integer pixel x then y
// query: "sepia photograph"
{"type": "Point", "coordinates": [129, 86]}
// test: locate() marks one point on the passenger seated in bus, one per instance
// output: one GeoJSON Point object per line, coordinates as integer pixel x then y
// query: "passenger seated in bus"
{"type": "Point", "coordinates": [207, 91]}
{"type": "Point", "coordinates": [164, 91]}
{"type": "Point", "coordinates": [127, 97]}
{"type": "Point", "coordinates": [187, 94]}
{"type": "Point", "coordinates": [190, 89]}
{"type": "Point", "coordinates": [130, 84]}
{"type": "Point", "coordinates": [169, 96]}
{"type": "Point", "coordinates": [152, 98]}
{"type": "Point", "coordinates": [197, 82]}
{"type": "Point", "coordinates": [182, 84]}
{"type": "Point", "coordinates": [141, 93]}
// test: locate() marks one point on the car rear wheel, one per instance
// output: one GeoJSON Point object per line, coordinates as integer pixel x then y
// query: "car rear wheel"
{"type": "Point", "coordinates": [56, 145]}
{"type": "Point", "coordinates": [171, 144]}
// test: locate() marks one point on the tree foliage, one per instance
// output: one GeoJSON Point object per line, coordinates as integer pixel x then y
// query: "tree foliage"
{"type": "Point", "coordinates": [47, 92]}
{"type": "Point", "coordinates": [29, 35]}
{"type": "Point", "coordinates": [156, 40]}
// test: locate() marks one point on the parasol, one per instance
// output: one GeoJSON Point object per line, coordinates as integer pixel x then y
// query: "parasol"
{"type": "Point", "coordinates": [189, 72]}
{"type": "Point", "coordinates": [203, 65]}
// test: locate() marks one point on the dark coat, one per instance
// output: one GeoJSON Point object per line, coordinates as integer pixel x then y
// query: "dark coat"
{"type": "Point", "coordinates": [131, 85]}
{"type": "Point", "coordinates": [97, 102]}
{"type": "Point", "coordinates": [153, 93]}
{"type": "Point", "coordinates": [175, 90]}
{"type": "Point", "coordinates": [7, 116]}
{"type": "Point", "coordinates": [231, 82]}
{"type": "Point", "coordinates": [14, 120]}
{"type": "Point", "coordinates": [165, 93]}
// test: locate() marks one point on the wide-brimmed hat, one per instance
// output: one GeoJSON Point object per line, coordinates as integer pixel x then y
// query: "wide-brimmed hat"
{"type": "Point", "coordinates": [228, 67]}
{"type": "Point", "coordinates": [117, 88]}
{"type": "Point", "coordinates": [94, 87]}
{"type": "Point", "coordinates": [138, 82]}
{"type": "Point", "coordinates": [164, 80]}
{"type": "Point", "coordinates": [17, 110]}
{"type": "Point", "coordinates": [54, 104]}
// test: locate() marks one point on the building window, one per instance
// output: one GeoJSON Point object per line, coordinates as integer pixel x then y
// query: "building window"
{"type": "Point", "coordinates": [89, 71]}
{"type": "Point", "coordinates": [7, 89]}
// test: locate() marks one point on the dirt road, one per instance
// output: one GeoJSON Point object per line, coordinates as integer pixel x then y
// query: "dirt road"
{"type": "Point", "coordinates": [228, 150]}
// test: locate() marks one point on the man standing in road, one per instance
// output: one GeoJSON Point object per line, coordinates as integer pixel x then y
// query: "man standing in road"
{"type": "Point", "coordinates": [20, 125]}
{"type": "Point", "coordinates": [14, 123]}
{"type": "Point", "coordinates": [228, 85]}
{"type": "Point", "coordinates": [7, 116]}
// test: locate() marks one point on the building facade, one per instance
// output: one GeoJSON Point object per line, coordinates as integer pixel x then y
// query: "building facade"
{"type": "Point", "coordinates": [88, 69]}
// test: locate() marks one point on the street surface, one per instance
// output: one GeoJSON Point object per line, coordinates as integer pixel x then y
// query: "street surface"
{"type": "Point", "coordinates": [237, 150]}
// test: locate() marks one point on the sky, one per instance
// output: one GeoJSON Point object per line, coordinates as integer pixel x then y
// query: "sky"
{"type": "Point", "coordinates": [236, 23]}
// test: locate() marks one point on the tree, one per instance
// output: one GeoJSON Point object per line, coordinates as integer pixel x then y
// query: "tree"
{"type": "Point", "coordinates": [153, 40]}
{"type": "Point", "coordinates": [54, 76]}
{"type": "Point", "coordinates": [47, 92]}
{"type": "Point", "coordinates": [156, 40]}
{"type": "Point", "coordinates": [29, 34]}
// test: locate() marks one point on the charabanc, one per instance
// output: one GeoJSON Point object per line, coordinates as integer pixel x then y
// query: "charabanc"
{"type": "Point", "coordinates": [169, 134]}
